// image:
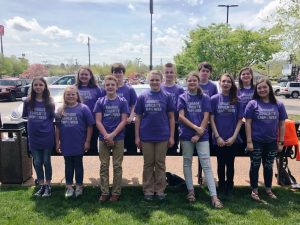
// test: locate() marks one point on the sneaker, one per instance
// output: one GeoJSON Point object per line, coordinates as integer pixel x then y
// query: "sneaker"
{"type": "Point", "coordinates": [148, 198]}
{"type": "Point", "coordinates": [69, 192]}
{"type": "Point", "coordinates": [78, 191]}
{"type": "Point", "coordinates": [114, 198]}
{"type": "Point", "coordinates": [40, 192]}
{"type": "Point", "coordinates": [104, 197]}
{"type": "Point", "coordinates": [47, 192]}
{"type": "Point", "coordinates": [161, 197]}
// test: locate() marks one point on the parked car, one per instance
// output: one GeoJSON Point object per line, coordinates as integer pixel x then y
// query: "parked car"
{"type": "Point", "coordinates": [276, 88]}
{"type": "Point", "coordinates": [292, 88]}
{"type": "Point", "coordinates": [56, 92]}
{"type": "Point", "coordinates": [11, 88]}
{"type": "Point", "coordinates": [65, 80]}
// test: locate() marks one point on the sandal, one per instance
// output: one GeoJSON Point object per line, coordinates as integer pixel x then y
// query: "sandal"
{"type": "Point", "coordinates": [191, 197]}
{"type": "Point", "coordinates": [255, 196]}
{"type": "Point", "coordinates": [271, 195]}
{"type": "Point", "coordinates": [114, 198]}
{"type": "Point", "coordinates": [217, 204]}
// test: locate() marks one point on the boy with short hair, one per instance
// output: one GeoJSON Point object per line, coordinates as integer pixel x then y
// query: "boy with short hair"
{"type": "Point", "coordinates": [208, 87]}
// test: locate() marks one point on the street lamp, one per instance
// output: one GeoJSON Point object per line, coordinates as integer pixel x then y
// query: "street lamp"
{"type": "Point", "coordinates": [151, 12]}
{"type": "Point", "coordinates": [138, 61]}
{"type": "Point", "coordinates": [89, 51]}
{"type": "Point", "coordinates": [227, 6]}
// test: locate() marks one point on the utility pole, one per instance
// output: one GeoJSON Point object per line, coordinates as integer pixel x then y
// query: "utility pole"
{"type": "Point", "coordinates": [1, 34]}
{"type": "Point", "coordinates": [138, 61]}
{"type": "Point", "coordinates": [228, 6]}
{"type": "Point", "coordinates": [151, 12]}
{"type": "Point", "coordinates": [89, 52]}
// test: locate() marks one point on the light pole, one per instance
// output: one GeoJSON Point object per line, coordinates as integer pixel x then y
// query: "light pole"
{"type": "Point", "coordinates": [1, 34]}
{"type": "Point", "coordinates": [138, 61]}
{"type": "Point", "coordinates": [151, 12]}
{"type": "Point", "coordinates": [89, 51]}
{"type": "Point", "coordinates": [228, 6]}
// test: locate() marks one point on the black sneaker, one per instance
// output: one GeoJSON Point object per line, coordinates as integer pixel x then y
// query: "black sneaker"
{"type": "Point", "coordinates": [161, 197]}
{"type": "Point", "coordinates": [40, 192]}
{"type": "Point", "coordinates": [47, 191]}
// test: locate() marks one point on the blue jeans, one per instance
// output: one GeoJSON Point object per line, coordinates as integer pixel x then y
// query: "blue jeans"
{"type": "Point", "coordinates": [265, 153]}
{"type": "Point", "coordinates": [41, 159]}
{"type": "Point", "coordinates": [204, 157]}
{"type": "Point", "coordinates": [74, 163]}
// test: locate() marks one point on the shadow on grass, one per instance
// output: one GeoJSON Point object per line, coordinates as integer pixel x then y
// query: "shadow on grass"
{"type": "Point", "coordinates": [132, 207]}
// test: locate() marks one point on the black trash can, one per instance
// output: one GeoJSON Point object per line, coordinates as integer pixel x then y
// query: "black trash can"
{"type": "Point", "coordinates": [15, 163]}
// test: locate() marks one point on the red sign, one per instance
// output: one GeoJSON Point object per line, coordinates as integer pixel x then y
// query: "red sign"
{"type": "Point", "coordinates": [1, 30]}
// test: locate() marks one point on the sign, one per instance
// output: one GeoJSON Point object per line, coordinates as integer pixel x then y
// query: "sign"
{"type": "Point", "coordinates": [1, 30]}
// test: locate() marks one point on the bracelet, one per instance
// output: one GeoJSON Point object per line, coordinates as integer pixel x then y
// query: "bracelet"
{"type": "Point", "coordinates": [249, 142]}
{"type": "Point", "coordinates": [280, 142]}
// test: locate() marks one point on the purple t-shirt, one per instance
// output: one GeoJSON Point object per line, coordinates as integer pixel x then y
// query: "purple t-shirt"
{"type": "Point", "coordinates": [153, 107]}
{"type": "Point", "coordinates": [245, 94]}
{"type": "Point", "coordinates": [112, 111]}
{"type": "Point", "coordinates": [175, 91]}
{"type": "Point", "coordinates": [40, 125]}
{"type": "Point", "coordinates": [265, 119]}
{"type": "Point", "coordinates": [226, 116]}
{"type": "Point", "coordinates": [73, 129]}
{"type": "Point", "coordinates": [90, 95]}
{"type": "Point", "coordinates": [210, 88]}
{"type": "Point", "coordinates": [194, 107]}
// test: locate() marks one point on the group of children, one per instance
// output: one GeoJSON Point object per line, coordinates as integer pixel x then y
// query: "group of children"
{"type": "Point", "coordinates": [159, 114]}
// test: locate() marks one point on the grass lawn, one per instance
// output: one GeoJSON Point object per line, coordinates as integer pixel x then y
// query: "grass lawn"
{"type": "Point", "coordinates": [18, 206]}
{"type": "Point", "coordinates": [294, 117]}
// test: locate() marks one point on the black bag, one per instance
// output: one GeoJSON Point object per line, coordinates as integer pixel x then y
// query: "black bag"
{"type": "Point", "coordinates": [175, 181]}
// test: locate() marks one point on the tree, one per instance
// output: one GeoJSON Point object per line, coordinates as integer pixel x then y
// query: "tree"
{"type": "Point", "coordinates": [227, 49]}
{"type": "Point", "coordinates": [6, 67]}
{"type": "Point", "coordinates": [287, 25]}
{"type": "Point", "coordinates": [35, 70]}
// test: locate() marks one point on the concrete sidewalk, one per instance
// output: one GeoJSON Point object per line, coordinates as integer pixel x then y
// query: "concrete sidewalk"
{"type": "Point", "coordinates": [133, 168]}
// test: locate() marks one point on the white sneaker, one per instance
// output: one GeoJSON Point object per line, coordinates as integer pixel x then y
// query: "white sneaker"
{"type": "Point", "coordinates": [69, 192]}
{"type": "Point", "coordinates": [78, 191]}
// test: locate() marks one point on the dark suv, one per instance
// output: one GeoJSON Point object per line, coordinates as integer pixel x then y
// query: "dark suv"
{"type": "Point", "coordinates": [11, 88]}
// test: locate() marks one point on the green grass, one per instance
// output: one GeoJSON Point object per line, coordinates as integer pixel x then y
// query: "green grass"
{"type": "Point", "coordinates": [18, 206]}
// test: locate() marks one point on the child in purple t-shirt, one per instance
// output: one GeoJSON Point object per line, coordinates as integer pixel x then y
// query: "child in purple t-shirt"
{"type": "Point", "coordinates": [226, 121]}
{"type": "Point", "coordinates": [111, 117]}
{"type": "Point", "coordinates": [89, 93]}
{"type": "Point", "coordinates": [246, 86]}
{"type": "Point", "coordinates": [39, 110]}
{"type": "Point", "coordinates": [174, 90]}
{"type": "Point", "coordinates": [73, 136]}
{"type": "Point", "coordinates": [194, 108]}
{"type": "Point", "coordinates": [208, 87]}
{"type": "Point", "coordinates": [154, 133]}
{"type": "Point", "coordinates": [265, 116]}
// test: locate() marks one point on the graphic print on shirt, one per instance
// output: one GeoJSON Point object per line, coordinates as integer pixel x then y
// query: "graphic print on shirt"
{"type": "Point", "coordinates": [111, 111]}
{"type": "Point", "coordinates": [266, 114]}
{"type": "Point", "coordinates": [38, 114]}
{"type": "Point", "coordinates": [193, 107]}
{"type": "Point", "coordinates": [86, 95]}
{"type": "Point", "coordinates": [225, 107]}
{"type": "Point", "coordinates": [152, 106]}
{"type": "Point", "coordinates": [69, 119]}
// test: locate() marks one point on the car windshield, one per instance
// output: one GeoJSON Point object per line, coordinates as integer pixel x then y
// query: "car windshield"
{"type": "Point", "coordinates": [7, 82]}
{"type": "Point", "coordinates": [283, 84]}
{"type": "Point", "coordinates": [50, 80]}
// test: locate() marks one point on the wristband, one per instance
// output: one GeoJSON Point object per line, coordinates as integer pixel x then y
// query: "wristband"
{"type": "Point", "coordinates": [280, 142]}
{"type": "Point", "coordinates": [249, 142]}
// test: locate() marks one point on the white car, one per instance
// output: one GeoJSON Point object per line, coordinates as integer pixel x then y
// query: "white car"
{"type": "Point", "coordinates": [56, 92]}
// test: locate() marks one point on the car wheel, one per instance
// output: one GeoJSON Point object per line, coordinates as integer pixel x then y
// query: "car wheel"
{"type": "Point", "coordinates": [287, 96]}
{"type": "Point", "coordinates": [277, 92]}
{"type": "Point", "coordinates": [295, 94]}
{"type": "Point", "coordinates": [12, 96]}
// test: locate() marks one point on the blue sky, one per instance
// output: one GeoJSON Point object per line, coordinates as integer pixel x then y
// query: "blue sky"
{"type": "Point", "coordinates": [56, 31]}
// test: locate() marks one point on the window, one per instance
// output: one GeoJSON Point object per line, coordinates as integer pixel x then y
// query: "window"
{"type": "Point", "coordinates": [294, 84]}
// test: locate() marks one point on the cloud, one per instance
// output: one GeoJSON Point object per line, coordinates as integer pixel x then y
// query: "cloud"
{"type": "Point", "coordinates": [20, 24]}
{"type": "Point", "coordinates": [139, 36]}
{"type": "Point", "coordinates": [55, 32]}
{"type": "Point", "coordinates": [195, 2]}
{"type": "Point", "coordinates": [38, 42]}
{"type": "Point", "coordinates": [131, 7]}
{"type": "Point", "coordinates": [83, 38]}
{"type": "Point", "coordinates": [259, 1]}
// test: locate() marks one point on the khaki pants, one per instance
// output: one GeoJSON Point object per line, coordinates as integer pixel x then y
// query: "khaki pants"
{"type": "Point", "coordinates": [104, 155]}
{"type": "Point", "coordinates": [154, 174]}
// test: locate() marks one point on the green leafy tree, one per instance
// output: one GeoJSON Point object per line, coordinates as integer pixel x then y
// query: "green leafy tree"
{"type": "Point", "coordinates": [227, 49]}
{"type": "Point", "coordinates": [6, 66]}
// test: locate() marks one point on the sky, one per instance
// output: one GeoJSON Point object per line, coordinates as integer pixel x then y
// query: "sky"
{"type": "Point", "coordinates": [56, 31]}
